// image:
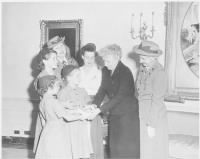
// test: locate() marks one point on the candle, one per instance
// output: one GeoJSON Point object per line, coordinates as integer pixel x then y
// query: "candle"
{"type": "Point", "coordinates": [152, 19]}
{"type": "Point", "coordinates": [132, 19]}
{"type": "Point", "coordinates": [141, 19]}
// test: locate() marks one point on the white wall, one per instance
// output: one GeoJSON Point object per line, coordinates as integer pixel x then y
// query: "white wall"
{"type": "Point", "coordinates": [103, 23]}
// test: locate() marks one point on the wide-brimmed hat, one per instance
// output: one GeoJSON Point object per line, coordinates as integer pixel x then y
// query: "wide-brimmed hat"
{"type": "Point", "coordinates": [147, 48]}
{"type": "Point", "coordinates": [55, 41]}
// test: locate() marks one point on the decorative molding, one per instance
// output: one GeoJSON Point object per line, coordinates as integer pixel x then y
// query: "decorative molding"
{"type": "Point", "coordinates": [42, 33]}
{"type": "Point", "coordinates": [165, 14]}
{"type": "Point", "coordinates": [81, 32]}
{"type": "Point", "coordinates": [172, 49]}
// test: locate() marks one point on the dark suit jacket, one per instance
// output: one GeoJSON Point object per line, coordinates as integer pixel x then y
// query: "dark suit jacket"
{"type": "Point", "coordinates": [120, 89]}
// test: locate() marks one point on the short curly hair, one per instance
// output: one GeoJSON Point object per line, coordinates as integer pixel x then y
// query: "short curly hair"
{"type": "Point", "coordinates": [90, 47]}
{"type": "Point", "coordinates": [112, 49]}
{"type": "Point", "coordinates": [44, 83]}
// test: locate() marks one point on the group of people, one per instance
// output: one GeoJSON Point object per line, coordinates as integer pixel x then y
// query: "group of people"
{"type": "Point", "coordinates": [72, 103]}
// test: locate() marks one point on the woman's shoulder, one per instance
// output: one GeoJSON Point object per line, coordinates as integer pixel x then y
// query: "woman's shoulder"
{"type": "Point", "coordinates": [158, 68]}
{"type": "Point", "coordinates": [124, 69]}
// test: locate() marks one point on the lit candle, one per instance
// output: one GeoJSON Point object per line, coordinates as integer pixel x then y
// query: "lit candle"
{"type": "Point", "coordinates": [141, 20]}
{"type": "Point", "coordinates": [152, 19]}
{"type": "Point", "coordinates": [132, 19]}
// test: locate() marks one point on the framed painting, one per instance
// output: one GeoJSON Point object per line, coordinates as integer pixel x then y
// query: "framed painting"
{"type": "Point", "coordinates": [182, 49]}
{"type": "Point", "coordinates": [70, 29]}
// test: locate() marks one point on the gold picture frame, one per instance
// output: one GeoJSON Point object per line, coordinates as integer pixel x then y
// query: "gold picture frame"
{"type": "Point", "coordinates": [70, 29]}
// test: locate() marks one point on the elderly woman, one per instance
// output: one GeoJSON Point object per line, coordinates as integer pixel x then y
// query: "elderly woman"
{"type": "Point", "coordinates": [151, 87]}
{"type": "Point", "coordinates": [122, 107]}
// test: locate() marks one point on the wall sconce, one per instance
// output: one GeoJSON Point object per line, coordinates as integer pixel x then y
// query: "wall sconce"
{"type": "Point", "coordinates": [143, 28]}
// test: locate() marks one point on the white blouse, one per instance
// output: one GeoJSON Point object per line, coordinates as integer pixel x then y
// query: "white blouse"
{"type": "Point", "coordinates": [90, 79]}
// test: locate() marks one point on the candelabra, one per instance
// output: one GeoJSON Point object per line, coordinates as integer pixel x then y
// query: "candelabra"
{"type": "Point", "coordinates": [143, 28]}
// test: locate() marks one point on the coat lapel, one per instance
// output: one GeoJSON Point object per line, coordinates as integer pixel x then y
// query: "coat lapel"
{"type": "Point", "coordinates": [117, 69]}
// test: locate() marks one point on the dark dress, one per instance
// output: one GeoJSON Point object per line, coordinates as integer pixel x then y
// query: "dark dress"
{"type": "Point", "coordinates": [123, 119]}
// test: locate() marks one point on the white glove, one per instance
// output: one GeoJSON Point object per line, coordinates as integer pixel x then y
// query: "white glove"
{"type": "Point", "coordinates": [151, 131]}
{"type": "Point", "coordinates": [90, 108]}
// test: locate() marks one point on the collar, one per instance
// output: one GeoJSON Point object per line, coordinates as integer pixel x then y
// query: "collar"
{"type": "Point", "coordinates": [116, 68]}
{"type": "Point", "coordinates": [155, 66]}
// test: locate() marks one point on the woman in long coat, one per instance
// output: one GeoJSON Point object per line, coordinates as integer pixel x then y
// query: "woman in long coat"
{"type": "Point", "coordinates": [123, 121]}
{"type": "Point", "coordinates": [151, 87]}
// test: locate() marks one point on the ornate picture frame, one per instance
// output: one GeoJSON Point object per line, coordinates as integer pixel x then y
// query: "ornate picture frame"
{"type": "Point", "coordinates": [70, 29]}
{"type": "Point", "coordinates": [182, 82]}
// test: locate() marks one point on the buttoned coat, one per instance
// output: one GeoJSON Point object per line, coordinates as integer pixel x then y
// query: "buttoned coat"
{"type": "Point", "coordinates": [123, 121]}
{"type": "Point", "coordinates": [151, 87]}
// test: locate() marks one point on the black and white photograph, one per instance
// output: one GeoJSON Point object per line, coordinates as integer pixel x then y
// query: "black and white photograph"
{"type": "Point", "coordinates": [100, 79]}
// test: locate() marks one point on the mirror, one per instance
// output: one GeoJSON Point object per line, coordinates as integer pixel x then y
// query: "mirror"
{"type": "Point", "coordinates": [190, 38]}
{"type": "Point", "coordinates": [183, 78]}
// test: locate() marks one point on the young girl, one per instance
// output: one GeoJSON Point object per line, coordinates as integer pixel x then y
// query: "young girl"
{"type": "Point", "coordinates": [76, 98]}
{"type": "Point", "coordinates": [54, 141]}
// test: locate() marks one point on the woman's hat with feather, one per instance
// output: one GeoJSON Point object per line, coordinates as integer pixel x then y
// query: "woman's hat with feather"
{"type": "Point", "coordinates": [55, 41]}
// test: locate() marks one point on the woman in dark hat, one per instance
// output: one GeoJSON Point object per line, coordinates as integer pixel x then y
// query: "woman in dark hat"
{"type": "Point", "coordinates": [63, 52]}
{"type": "Point", "coordinates": [151, 87]}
